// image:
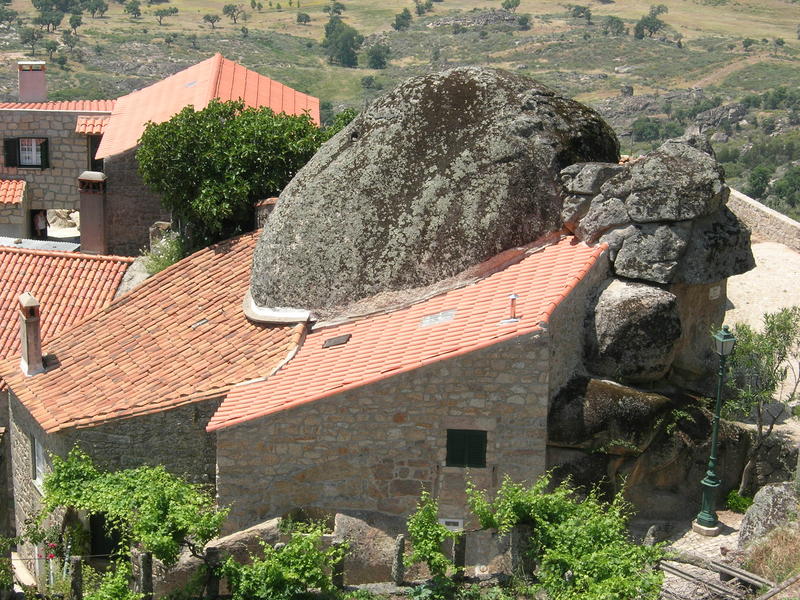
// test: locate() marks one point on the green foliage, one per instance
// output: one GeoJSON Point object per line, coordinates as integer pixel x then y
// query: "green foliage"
{"type": "Point", "coordinates": [303, 18]}
{"type": "Point", "coordinates": [167, 251]}
{"type": "Point", "coordinates": [145, 505]}
{"type": "Point", "coordinates": [402, 20]}
{"type": "Point", "coordinates": [510, 5]}
{"type": "Point", "coordinates": [286, 573]}
{"type": "Point", "coordinates": [133, 8]}
{"type": "Point", "coordinates": [378, 56]}
{"type": "Point", "coordinates": [165, 12]}
{"type": "Point", "coordinates": [28, 36]}
{"type": "Point", "coordinates": [581, 547]}
{"type": "Point", "coordinates": [341, 42]}
{"type": "Point", "coordinates": [427, 536]}
{"type": "Point", "coordinates": [647, 129]}
{"type": "Point", "coordinates": [114, 584]}
{"type": "Point", "coordinates": [211, 19]}
{"type": "Point", "coordinates": [233, 11]}
{"type": "Point", "coordinates": [6, 568]}
{"type": "Point", "coordinates": [438, 588]}
{"type": "Point", "coordinates": [211, 166]}
{"type": "Point", "coordinates": [613, 26]}
{"type": "Point", "coordinates": [738, 503]}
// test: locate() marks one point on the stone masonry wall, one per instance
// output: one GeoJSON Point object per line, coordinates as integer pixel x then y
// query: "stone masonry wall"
{"type": "Point", "coordinates": [56, 186]}
{"type": "Point", "coordinates": [375, 447]}
{"type": "Point", "coordinates": [566, 326]}
{"type": "Point", "coordinates": [176, 439]}
{"type": "Point", "coordinates": [765, 223]}
{"type": "Point", "coordinates": [130, 207]}
{"type": "Point", "coordinates": [14, 219]}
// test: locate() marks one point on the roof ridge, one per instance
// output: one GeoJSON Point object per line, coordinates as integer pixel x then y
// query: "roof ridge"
{"type": "Point", "coordinates": [215, 75]}
{"type": "Point", "coordinates": [67, 254]}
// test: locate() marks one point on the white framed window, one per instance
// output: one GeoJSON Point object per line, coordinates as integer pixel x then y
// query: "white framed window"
{"type": "Point", "coordinates": [38, 462]}
{"type": "Point", "coordinates": [30, 152]}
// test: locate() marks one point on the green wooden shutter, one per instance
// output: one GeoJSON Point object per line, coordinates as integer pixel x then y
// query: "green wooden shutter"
{"type": "Point", "coordinates": [11, 152]}
{"type": "Point", "coordinates": [44, 147]}
{"type": "Point", "coordinates": [466, 448]}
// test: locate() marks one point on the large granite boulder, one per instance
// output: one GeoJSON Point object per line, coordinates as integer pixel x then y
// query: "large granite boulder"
{"type": "Point", "coordinates": [441, 173]}
{"type": "Point", "coordinates": [632, 330]}
{"type": "Point", "coordinates": [773, 505]}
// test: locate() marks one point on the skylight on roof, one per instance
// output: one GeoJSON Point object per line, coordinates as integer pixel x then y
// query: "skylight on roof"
{"type": "Point", "coordinates": [190, 84]}
{"type": "Point", "coordinates": [436, 318]}
{"type": "Point", "coordinates": [339, 340]}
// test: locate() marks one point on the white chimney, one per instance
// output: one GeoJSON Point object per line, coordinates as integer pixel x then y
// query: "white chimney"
{"type": "Point", "coordinates": [32, 82]}
{"type": "Point", "coordinates": [31, 335]}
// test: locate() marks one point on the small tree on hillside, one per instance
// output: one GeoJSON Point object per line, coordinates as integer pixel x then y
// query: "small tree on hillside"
{"type": "Point", "coordinates": [303, 18]}
{"type": "Point", "coordinates": [133, 8]}
{"type": "Point", "coordinates": [402, 20]}
{"type": "Point", "coordinates": [28, 36]}
{"type": "Point", "coordinates": [378, 56]}
{"type": "Point", "coordinates": [69, 39]}
{"type": "Point", "coordinates": [759, 365]}
{"type": "Point", "coordinates": [341, 42]}
{"type": "Point", "coordinates": [75, 21]}
{"type": "Point", "coordinates": [212, 20]}
{"type": "Point", "coordinates": [510, 5]}
{"type": "Point", "coordinates": [165, 12]}
{"type": "Point", "coordinates": [613, 26]}
{"type": "Point", "coordinates": [233, 11]}
{"type": "Point", "coordinates": [50, 46]}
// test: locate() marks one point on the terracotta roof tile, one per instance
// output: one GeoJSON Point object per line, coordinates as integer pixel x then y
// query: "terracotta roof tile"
{"type": "Point", "coordinates": [216, 77]}
{"type": "Point", "coordinates": [441, 327]}
{"type": "Point", "coordinates": [91, 124]}
{"type": "Point", "coordinates": [178, 338]}
{"type": "Point", "coordinates": [104, 106]}
{"type": "Point", "coordinates": [12, 191]}
{"type": "Point", "coordinates": [70, 286]}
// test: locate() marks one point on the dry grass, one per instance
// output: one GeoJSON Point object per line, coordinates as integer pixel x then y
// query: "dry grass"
{"type": "Point", "coordinates": [777, 557]}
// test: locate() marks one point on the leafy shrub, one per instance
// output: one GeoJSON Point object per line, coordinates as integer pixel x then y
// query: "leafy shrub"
{"type": "Point", "coordinates": [581, 546]}
{"type": "Point", "coordinates": [288, 572]}
{"type": "Point", "coordinates": [427, 536]}
{"type": "Point", "coordinates": [738, 503]}
{"type": "Point", "coordinates": [114, 584]}
{"type": "Point", "coordinates": [167, 251]}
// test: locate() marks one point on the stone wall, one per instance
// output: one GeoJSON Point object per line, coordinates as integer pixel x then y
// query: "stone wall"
{"type": "Point", "coordinates": [130, 207]}
{"type": "Point", "coordinates": [56, 186]}
{"type": "Point", "coordinates": [765, 223]}
{"type": "Point", "coordinates": [15, 219]}
{"type": "Point", "coordinates": [566, 325]}
{"type": "Point", "coordinates": [375, 447]}
{"type": "Point", "coordinates": [175, 438]}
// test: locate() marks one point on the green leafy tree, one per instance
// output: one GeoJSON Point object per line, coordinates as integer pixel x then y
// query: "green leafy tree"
{"type": "Point", "coordinates": [96, 7]}
{"type": "Point", "coordinates": [303, 18]}
{"type": "Point", "coordinates": [233, 11]}
{"type": "Point", "coordinates": [378, 56]}
{"type": "Point", "coordinates": [759, 365]}
{"type": "Point", "coordinates": [524, 22]}
{"type": "Point", "coordinates": [613, 26]}
{"type": "Point", "coordinates": [341, 42]}
{"type": "Point", "coordinates": [747, 43]}
{"type": "Point", "coordinates": [510, 5]}
{"type": "Point", "coordinates": [210, 166]}
{"type": "Point", "coordinates": [402, 20]}
{"type": "Point", "coordinates": [75, 21]}
{"type": "Point", "coordinates": [334, 8]}
{"type": "Point", "coordinates": [211, 19]}
{"type": "Point", "coordinates": [192, 39]}
{"type": "Point", "coordinates": [50, 46]}
{"type": "Point", "coordinates": [133, 8]}
{"type": "Point", "coordinates": [28, 36]}
{"type": "Point", "coordinates": [580, 544]}
{"type": "Point", "coordinates": [427, 536]}
{"type": "Point", "coordinates": [8, 15]}
{"type": "Point", "coordinates": [161, 13]}
{"type": "Point", "coordinates": [69, 39]}
{"type": "Point", "coordinates": [758, 181]}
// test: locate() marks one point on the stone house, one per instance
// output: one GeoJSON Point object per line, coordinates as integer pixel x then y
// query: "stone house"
{"type": "Point", "coordinates": [70, 286]}
{"type": "Point", "coordinates": [329, 415]}
{"type": "Point", "coordinates": [50, 145]}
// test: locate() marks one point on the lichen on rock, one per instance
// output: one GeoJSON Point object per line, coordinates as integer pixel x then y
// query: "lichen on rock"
{"type": "Point", "coordinates": [443, 172]}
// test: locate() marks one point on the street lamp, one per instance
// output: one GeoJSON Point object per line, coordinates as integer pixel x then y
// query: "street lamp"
{"type": "Point", "coordinates": [707, 522]}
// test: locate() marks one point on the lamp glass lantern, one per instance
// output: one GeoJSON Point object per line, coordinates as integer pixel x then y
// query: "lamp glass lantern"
{"type": "Point", "coordinates": [724, 341]}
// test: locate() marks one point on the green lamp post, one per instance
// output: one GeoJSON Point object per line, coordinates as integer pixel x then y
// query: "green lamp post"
{"type": "Point", "coordinates": [724, 341]}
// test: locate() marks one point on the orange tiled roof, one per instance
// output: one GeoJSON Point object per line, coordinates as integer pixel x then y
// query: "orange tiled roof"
{"type": "Point", "coordinates": [216, 77]}
{"type": "Point", "coordinates": [12, 191]}
{"type": "Point", "coordinates": [383, 345]}
{"type": "Point", "coordinates": [105, 106]}
{"type": "Point", "coordinates": [70, 286]}
{"type": "Point", "coordinates": [179, 337]}
{"type": "Point", "coordinates": [91, 124]}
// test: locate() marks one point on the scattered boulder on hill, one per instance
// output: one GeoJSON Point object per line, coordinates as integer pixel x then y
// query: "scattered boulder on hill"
{"type": "Point", "coordinates": [443, 172]}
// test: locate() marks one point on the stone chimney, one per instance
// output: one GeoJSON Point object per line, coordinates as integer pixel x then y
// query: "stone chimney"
{"type": "Point", "coordinates": [263, 210]}
{"type": "Point", "coordinates": [30, 331]}
{"type": "Point", "coordinates": [32, 82]}
{"type": "Point", "coordinates": [92, 192]}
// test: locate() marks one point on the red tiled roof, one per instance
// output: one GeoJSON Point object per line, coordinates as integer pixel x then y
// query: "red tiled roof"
{"type": "Point", "coordinates": [179, 337]}
{"type": "Point", "coordinates": [216, 77]}
{"type": "Point", "coordinates": [12, 191]}
{"type": "Point", "coordinates": [69, 286]}
{"type": "Point", "coordinates": [105, 106]}
{"type": "Point", "coordinates": [387, 344]}
{"type": "Point", "coordinates": [91, 124]}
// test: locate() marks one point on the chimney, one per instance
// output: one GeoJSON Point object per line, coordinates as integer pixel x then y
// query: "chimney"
{"type": "Point", "coordinates": [32, 82]}
{"type": "Point", "coordinates": [263, 210]}
{"type": "Point", "coordinates": [30, 335]}
{"type": "Point", "coordinates": [92, 193]}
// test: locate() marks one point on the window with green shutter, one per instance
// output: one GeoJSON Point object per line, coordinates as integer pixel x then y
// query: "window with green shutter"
{"type": "Point", "coordinates": [31, 153]}
{"type": "Point", "coordinates": [466, 448]}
